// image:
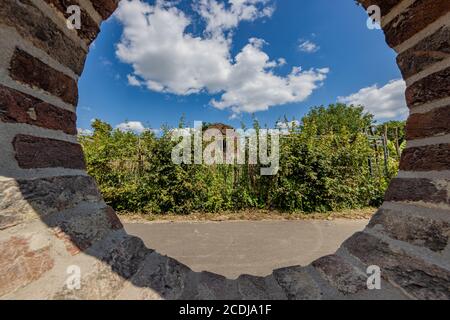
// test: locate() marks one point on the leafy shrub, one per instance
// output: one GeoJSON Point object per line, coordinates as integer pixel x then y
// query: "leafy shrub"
{"type": "Point", "coordinates": [327, 163]}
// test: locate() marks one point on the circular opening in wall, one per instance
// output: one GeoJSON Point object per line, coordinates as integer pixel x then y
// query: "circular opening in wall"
{"type": "Point", "coordinates": [59, 239]}
{"type": "Point", "coordinates": [323, 81]}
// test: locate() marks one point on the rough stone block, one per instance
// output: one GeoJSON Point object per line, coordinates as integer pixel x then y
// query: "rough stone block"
{"type": "Point", "coordinates": [401, 189]}
{"type": "Point", "coordinates": [419, 278]}
{"type": "Point", "coordinates": [33, 25]}
{"type": "Point", "coordinates": [340, 274]}
{"type": "Point", "coordinates": [21, 263]}
{"type": "Point", "coordinates": [432, 123]}
{"type": "Point", "coordinates": [105, 7]}
{"type": "Point", "coordinates": [433, 87]}
{"type": "Point", "coordinates": [89, 28]}
{"type": "Point", "coordinates": [297, 283]}
{"type": "Point", "coordinates": [385, 5]}
{"type": "Point", "coordinates": [14, 209]}
{"type": "Point", "coordinates": [259, 288]}
{"type": "Point", "coordinates": [9, 219]}
{"type": "Point", "coordinates": [126, 256]}
{"type": "Point", "coordinates": [432, 49]}
{"type": "Point", "coordinates": [48, 195]}
{"type": "Point", "coordinates": [415, 18]}
{"type": "Point", "coordinates": [100, 283]}
{"type": "Point", "coordinates": [422, 231]}
{"type": "Point", "coordinates": [216, 287]}
{"type": "Point", "coordinates": [33, 72]}
{"type": "Point", "coordinates": [427, 158]}
{"type": "Point", "coordinates": [34, 152]}
{"type": "Point", "coordinates": [82, 230]}
{"type": "Point", "coordinates": [166, 278]}
{"type": "Point", "coordinates": [17, 107]}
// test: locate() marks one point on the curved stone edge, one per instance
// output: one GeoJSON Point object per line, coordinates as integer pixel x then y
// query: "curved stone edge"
{"type": "Point", "coordinates": [39, 241]}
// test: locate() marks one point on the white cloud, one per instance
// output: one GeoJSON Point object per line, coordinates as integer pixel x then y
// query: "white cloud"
{"type": "Point", "coordinates": [281, 61]}
{"type": "Point", "coordinates": [85, 132]}
{"type": "Point", "coordinates": [220, 17]}
{"type": "Point", "coordinates": [105, 62]}
{"type": "Point", "coordinates": [385, 103]}
{"type": "Point", "coordinates": [288, 125]}
{"type": "Point", "coordinates": [182, 132]}
{"type": "Point", "coordinates": [157, 131]}
{"type": "Point", "coordinates": [308, 46]}
{"type": "Point", "coordinates": [132, 126]}
{"type": "Point", "coordinates": [85, 108]}
{"type": "Point", "coordinates": [133, 81]}
{"type": "Point", "coordinates": [253, 86]}
{"type": "Point", "coordinates": [166, 58]}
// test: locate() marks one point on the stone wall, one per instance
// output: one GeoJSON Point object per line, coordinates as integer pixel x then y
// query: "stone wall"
{"type": "Point", "coordinates": [52, 215]}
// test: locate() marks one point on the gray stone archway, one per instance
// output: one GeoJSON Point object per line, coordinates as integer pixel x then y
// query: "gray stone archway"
{"type": "Point", "coordinates": [52, 215]}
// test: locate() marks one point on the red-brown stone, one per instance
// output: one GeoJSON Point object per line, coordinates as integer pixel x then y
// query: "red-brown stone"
{"type": "Point", "coordinates": [72, 248]}
{"type": "Point", "coordinates": [427, 158]}
{"type": "Point", "coordinates": [415, 18]}
{"type": "Point", "coordinates": [385, 5]}
{"type": "Point", "coordinates": [20, 264]}
{"type": "Point", "coordinates": [32, 71]}
{"type": "Point", "coordinates": [89, 28]}
{"type": "Point", "coordinates": [113, 219]}
{"type": "Point", "coordinates": [32, 24]}
{"type": "Point", "coordinates": [433, 87]}
{"type": "Point", "coordinates": [432, 49]}
{"type": "Point", "coordinates": [402, 189]}
{"type": "Point", "coordinates": [432, 123]}
{"type": "Point", "coordinates": [17, 107]}
{"type": "Point", "coordinates": [105, 7]}
{"type": "Point", "coordinates": [34, 152]}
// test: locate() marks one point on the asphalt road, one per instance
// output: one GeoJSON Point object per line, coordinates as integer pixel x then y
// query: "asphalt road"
{"type": "Point", "coordinates": [245, 247]}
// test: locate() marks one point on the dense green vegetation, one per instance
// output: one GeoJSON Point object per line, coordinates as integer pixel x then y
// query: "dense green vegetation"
{"type": "Point", "coordinates": [329, 161]}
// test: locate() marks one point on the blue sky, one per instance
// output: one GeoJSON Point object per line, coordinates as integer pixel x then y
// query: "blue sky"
{"type": "Point", "coordinates": [222, 61]}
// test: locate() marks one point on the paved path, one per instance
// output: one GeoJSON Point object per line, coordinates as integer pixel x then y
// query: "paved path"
{"type": "Point", "coordinates": [245, 247]}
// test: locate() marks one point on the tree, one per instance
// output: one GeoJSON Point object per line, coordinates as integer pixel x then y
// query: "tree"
{"type": "Point", "coordinates": [336, 118]}
{"type": "Point", "coordinates": [325, 164]}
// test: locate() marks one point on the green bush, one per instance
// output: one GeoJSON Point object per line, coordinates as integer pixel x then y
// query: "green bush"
{"type": "Point", "coordinates": [327, 163]}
